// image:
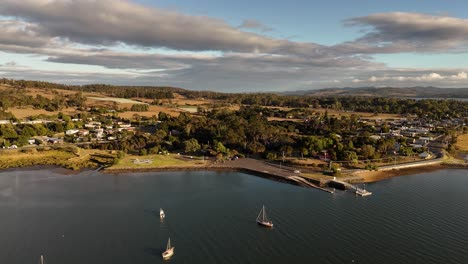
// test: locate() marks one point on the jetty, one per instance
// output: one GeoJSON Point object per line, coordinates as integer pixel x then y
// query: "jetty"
{"type": "Point", "coordinates": [348, 186]}
{"type": "Point", "coordinates": [304, 182]}
{"type": "Point", "coordinates": [270, 171]}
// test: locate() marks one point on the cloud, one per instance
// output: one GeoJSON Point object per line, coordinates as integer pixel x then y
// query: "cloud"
{"type": "Point", "coordinates": [20, 33]}
{"type": "Point", "coordinates": [129, 43]}
{"type": "Point", "coordinates": [430, 77]}
{"type": "Point", "coordinates": [10, 64]}
{"type": "Point", "coordinates": [407, 32]}
{"type": "Point", "coordinates": [109, 22]}
{"type": "Point", "coordinates": [254, 24]}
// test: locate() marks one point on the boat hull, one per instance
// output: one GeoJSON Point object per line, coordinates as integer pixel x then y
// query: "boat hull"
{"type": "Point", "coordinates": [266, 224]}
{"type": "Point", "coordinates": [168, 253]}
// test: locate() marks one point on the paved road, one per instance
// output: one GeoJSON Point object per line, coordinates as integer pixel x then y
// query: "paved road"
{"type": "Point", "coordinates": [256, 166]}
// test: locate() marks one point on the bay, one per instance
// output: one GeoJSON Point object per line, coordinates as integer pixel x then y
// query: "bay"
{"type": "Point", "coordinates": [91, 217]}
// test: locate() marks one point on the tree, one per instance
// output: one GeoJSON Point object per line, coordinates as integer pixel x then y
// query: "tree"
{"type": "Point", "coordinates": [256, 147]}
{"type": "Point", "coordinates": [28, 131]}
{"type": "Point", "coordinates": [271, 156]}
{"type": "Point", "coordinates": [351, 156]}
{"type": "Point", "coordinates": [367, 151]}
{"type": "Point", "coordinates": [8, 132]}
{"type": "Point", "coordinates": [191, 145]}
{"type": "Point", "coordinates": [220, 148]}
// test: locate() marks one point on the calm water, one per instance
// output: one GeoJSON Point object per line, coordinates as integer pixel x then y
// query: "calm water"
{"type": "Point", "coordinates": [210, 217]}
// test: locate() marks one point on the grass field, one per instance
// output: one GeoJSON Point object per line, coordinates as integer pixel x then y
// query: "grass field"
{"type": "Point", "coordinates": [115, 99]}
{"type": "Point", "coordinates": [172, 106]}
{"type": "Point", "coordinates": [16, 158]}
{"type": "Point", "coordinates": [26, 112]}
{"type": "Point", "coordinates": [462, 142]}
{"type": "Point", "coordinates": [157, 161]}
{"type": "Point", "coordinates": [70, 157]}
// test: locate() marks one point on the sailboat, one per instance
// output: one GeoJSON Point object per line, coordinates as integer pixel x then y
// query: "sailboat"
{"type": "Point", "coordinates": [262, 218]}
{"type": "Point", "coordinates": [169, 250]}
{"type": "Point", "coordinates": [161, 213]}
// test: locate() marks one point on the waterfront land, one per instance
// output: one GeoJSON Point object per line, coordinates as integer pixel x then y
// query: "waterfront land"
{"type": "Point", "coordinates": [158, 128]}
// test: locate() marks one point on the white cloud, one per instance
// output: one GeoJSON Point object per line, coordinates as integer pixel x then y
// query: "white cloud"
{"type": "Point", "coordinates": [422, 78]}
{"type": "Point", "coordinates": [459, 76]}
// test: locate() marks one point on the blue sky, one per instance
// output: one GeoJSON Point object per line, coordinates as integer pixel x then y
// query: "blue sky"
{"type": "Point", "coordinates": [235, 46]}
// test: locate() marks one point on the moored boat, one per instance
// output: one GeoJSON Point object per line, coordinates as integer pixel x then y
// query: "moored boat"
{"type": "Point", "coordinates": [169, 250]}
{"type": "Point", "coordinates": [161, 213]}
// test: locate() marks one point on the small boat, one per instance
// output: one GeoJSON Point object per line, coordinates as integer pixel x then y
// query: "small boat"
{"type": "Point", "coordinates": [161, 213]}
{"type": "Point", "coordinates": [169, 250]}
{"type": "Point", "coordinates": [262, 218]}
{"type": "Point", "coordinates": [362, 192]}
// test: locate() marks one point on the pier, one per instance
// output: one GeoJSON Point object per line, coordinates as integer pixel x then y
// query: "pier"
{"type": "Point", "coordinates": [349, 186]}
{"type": "Point", "coordinates": [306, 183]}
{"type": "Point", "coordinates": [270, 171]}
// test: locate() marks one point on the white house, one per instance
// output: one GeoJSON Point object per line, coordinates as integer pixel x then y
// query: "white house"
{"type": "Point", "coordinates": [72, 131]}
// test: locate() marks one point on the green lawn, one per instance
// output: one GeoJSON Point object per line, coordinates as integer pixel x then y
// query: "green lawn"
{"type": "Point", "coordinates": [157, 161]}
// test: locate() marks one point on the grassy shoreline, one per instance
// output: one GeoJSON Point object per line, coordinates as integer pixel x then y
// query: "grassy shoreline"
{"type": "Point", "coordinates": [67, 157]}
{"type": "Point", "coordinates": [76, 159]}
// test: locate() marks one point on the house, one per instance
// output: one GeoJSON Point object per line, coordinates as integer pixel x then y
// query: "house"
{"type": "Point", "coordinates": [426, 139]}
{"type": "Point", "coordinates": [93, 124]}
{"type": "Point", "coordinates": [84, 132]}
{"type": "Point", "coordinates": [31, 141]}
{"type": "Point", "coordinates": [99, 132]}
{"type": "Point", "coordinates": [71, 132]}
{"type": "Point", "coordinates": [408, 133]}
{"type": "Point", "coordinates": [324, 156]}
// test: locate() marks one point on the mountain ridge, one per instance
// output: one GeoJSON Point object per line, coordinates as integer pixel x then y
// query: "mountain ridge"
{"type": "Point", "coordinates": [402, 92]}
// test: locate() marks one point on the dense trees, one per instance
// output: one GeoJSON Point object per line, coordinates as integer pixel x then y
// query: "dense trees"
{"type": "Point", "coordinates": [139, 108]}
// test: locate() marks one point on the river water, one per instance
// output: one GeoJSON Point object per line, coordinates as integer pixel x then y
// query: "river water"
{"type": "Point", "coordinates": [96, 218]}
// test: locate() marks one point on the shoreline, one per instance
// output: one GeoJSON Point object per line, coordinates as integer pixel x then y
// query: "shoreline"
{"type": "Point", "coordinates": [360, 177]}
{"type": "Point", "coordinates": [355, 177]}
{"type": "Point", "coordinates": [375, 176]}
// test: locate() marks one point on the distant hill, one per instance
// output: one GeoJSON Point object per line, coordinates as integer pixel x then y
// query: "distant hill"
{"type": "Point", "coordinates": [418, 92]}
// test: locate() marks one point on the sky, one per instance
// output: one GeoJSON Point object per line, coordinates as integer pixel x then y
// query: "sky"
{"type": "Point", "coordinates": [236, 46]}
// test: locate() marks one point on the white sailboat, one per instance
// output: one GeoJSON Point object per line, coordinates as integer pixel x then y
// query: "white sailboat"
{"type": "Point", "coordinates": [161, 213]}
{"type": "Point", "coordinates": [169, 250]}
{"type": "Point", "coordinates": [262, 218]}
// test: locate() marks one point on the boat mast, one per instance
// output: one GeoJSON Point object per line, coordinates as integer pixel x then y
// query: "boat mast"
{"type": "Point", "coordinates": [259, 215]}
{"type": "Point", "coordinates": [263, 209]}
{"type": "Point", "coordinates": [168, 244]}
